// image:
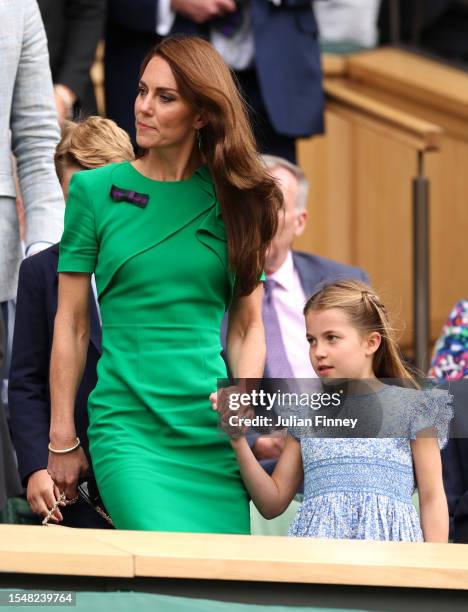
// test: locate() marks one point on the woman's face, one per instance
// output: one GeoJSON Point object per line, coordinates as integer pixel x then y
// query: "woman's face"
{"type": "Point", "coordinates": [162, 117]}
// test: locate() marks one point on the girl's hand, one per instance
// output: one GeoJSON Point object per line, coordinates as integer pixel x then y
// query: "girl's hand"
{"type": "Point", "coordinates": [42, 494]}
{"type": "Point", "coordinates": [232, 412]}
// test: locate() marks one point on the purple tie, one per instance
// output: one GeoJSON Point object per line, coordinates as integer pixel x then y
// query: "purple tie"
{"type": "Point", "coordinates": [230, 23]}
{"type": "Point", "coordinates": [277, 364]}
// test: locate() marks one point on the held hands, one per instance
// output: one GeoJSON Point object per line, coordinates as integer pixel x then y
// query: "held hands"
{"type": "Point", "coordinates": [269, 447]}
{"type": "Point", "coordinates": [42, 494]}
{"type": "Point", "coordinates": [231, 419]}
{"type": "Point", "coordinates": [200, 11]}
{"type": "Point", "coordinates": [65, 470]}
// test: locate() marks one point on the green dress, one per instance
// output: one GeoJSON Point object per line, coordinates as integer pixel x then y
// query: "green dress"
{"type": "Point", "coordinates": [160, 460]}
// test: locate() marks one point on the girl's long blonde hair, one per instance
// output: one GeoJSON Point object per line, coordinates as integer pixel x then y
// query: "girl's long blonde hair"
{"type": "Point", "coordinates": [367, 314]}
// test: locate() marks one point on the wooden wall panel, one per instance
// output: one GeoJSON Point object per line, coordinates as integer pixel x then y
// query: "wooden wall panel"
{"type": "Point", "coordinates": [383, 220]}
{"type": "Point", "coordinates": [361, 200]}
{"type": "Point", "coordinates": [448, 174]}
{"type": "Point", "coordinates": [328, 163]}
{"type": "Point", "coordinates": [360, 208]}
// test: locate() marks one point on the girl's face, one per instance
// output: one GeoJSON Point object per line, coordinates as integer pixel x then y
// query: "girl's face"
{"type": "Point", "coordinates": [162, 117]}
{"type": "Point", "coordinates": [336, 348]}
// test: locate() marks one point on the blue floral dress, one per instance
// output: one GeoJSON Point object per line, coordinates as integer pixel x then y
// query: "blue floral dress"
{"type": "Point", "coordinates": [361, 488]}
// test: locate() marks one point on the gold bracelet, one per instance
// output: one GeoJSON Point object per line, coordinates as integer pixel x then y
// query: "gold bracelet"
{"type": "Point", "coordinates": [65, 450]}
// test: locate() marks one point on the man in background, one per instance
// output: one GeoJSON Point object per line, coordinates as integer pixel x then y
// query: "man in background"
{"type": "Point", "coordinates": [73, 29]}
{"type": "Point", "coordinates": [271, 45]}
{"type": "Point", "coordinates": [27, 109]}
{"type": "Point", "coordinates": [29, 129]}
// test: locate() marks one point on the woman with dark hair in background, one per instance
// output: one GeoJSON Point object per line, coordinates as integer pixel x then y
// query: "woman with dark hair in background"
{"type": "Point", "coordinates": [175, 238]}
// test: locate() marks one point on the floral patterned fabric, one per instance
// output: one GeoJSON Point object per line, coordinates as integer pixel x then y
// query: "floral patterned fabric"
{"type": "Point", "coordinates": [450, 359]}
{"type": "Point", "coordinates": [361, 488]}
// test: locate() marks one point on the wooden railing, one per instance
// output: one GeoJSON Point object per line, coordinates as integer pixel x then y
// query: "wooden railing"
{"type": "Point", "coordinates": [389, 189]}
{"type": "Point", "coordinates": [106, 553]}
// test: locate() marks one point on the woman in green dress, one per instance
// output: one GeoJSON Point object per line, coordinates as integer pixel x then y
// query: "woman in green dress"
{"type": "Point", "coordinates": [174, 239]}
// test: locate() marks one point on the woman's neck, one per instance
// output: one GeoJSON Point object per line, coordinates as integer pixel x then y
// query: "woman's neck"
{"type": "Point", "coordinates": [169, 165]}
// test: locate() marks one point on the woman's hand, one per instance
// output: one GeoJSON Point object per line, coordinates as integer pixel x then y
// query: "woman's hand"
{"type": "Point", "coordinates": [232, 412]}
{"type": "Point", "coordinates": [67, 363]}
{"type": "Point", "coordinates": [201, 11]}
{"type": "Point", "coordinates": [42, 494]}
{"type": "Point", "coordinates": [66, 470]}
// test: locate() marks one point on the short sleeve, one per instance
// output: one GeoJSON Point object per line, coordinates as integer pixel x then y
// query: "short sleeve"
{"type": "Point", "coordinates": [433, 408]}
{"type": "Point", "coordinates": [78, 246]}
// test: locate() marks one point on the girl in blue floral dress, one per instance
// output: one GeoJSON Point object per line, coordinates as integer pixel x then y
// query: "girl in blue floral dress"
{"type": "Point", "coordinates": [359, 488]}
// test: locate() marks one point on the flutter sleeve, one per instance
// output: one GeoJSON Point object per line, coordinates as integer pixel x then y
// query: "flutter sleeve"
{"type": "Point", "coordinates": [433, 408]}
{"type": "Point", "coordinates": [79, 245]}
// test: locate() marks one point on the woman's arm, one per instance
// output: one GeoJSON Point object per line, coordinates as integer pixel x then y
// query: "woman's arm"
{"type": "Point", "coordinates": [246, 356]}
{"type": "Point", "coordinates": [245, 343]}
{"type": "Point", "coordinates": [246, 337]}
{"type": "Point", "coordinates": [432, 500]}
{"type": "Point", "coordinates": [69, 351]}
{"type": "Point", "coordinates": [270, 494]}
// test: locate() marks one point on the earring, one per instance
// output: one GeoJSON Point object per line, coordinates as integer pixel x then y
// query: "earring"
{"type": "Point", "coordinates": [199, 139]}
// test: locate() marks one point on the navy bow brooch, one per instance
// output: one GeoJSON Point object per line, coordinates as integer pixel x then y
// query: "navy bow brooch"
{"type": "Point", "coordinates": [127, 195]}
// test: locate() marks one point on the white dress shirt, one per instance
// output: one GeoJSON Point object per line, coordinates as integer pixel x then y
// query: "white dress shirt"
{"type": "Point", "coordinates": [237, 51]}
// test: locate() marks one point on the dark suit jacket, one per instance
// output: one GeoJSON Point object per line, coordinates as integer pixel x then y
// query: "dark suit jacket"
{"type": "Point", "coordinates": [455, 463]}
{"type": "Point", "coordinates": [315, 271]}
{"type": "Point", "coordinates": [289, 73]}
{"type": "Point", "coordinates": [2, 340]}
{"type": "Point", "coordinates": [29, 398]}
{"type": "Point", "coordinates": [73, 29]}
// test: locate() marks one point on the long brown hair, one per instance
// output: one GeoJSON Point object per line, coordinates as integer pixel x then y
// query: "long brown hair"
{"type": "Point", "coordinates": [250, 199]}
{"type": "Point", "coordinates": [367, 314]}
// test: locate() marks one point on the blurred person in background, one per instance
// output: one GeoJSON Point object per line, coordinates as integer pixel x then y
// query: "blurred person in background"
{"type": "Point", "coordinates": [27, 109]}
{"type": "Point", "coordinates": [449, 367]}
{"type": "Point", "coordinates": [271, 45]}
{"type": "Point", "coordinates": [9, 482]}
{"type": "Point", "coordinates": [28, 129]}
{"type": "Point", "coordinates": [73, 30]}
{"type": "Point", "coordinates": [437, 26]}
{"type": "Point", "coordinates": [92, 143]}
{"type": "Point", "coordinates": [346, 24]}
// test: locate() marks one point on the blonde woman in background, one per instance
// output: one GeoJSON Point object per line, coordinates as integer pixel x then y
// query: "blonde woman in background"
{"type": "Point", "coordinates": [88, 144]}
